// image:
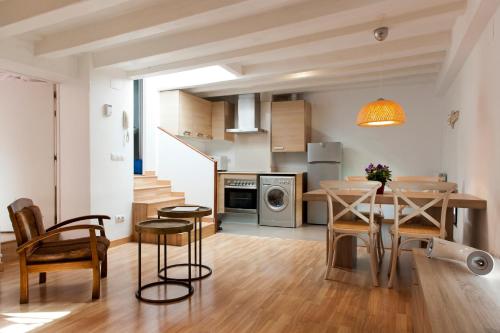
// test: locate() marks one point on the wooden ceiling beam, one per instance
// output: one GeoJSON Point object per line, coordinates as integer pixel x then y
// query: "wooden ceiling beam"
{"type": "Point", "coordinates": [138, 24]}
{"type": "Point", "coordinates": [437, 13]}
{"type": "Point", "coordinates": [229, 35]}
{"type": "Point", "coordinates": [21, 16]}
{"type": "Point", "coordinates": [306, 83]}
{"type": "Point", "coordinates": [435, 59]}
{"type": "Point", "coordinates": [465, 34]}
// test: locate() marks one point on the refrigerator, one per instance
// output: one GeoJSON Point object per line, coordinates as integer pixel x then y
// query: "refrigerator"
{"type": "Point", "coordinates": [324, 162]}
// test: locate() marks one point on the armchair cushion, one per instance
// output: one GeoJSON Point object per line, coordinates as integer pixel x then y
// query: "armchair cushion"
{"type": "Point", "coordinates": [67, 250]}
{"type": "Point", "coordinates": [29, 223]}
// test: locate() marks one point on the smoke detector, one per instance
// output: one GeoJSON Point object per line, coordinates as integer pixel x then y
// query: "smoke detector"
{"type": "Point", "coordinates": [381, 33]}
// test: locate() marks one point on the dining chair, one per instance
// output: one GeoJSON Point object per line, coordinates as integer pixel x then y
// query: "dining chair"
{"type": "Point", "coordinates": [402, 227]}
{"type": "Point", "coordinates": [378, 216]}
{"type": "Point", "coordinates": [415, 179]}
{"type": "Point", "coordinates": [339, 227]}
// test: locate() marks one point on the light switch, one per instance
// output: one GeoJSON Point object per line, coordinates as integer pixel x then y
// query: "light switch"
{"type": "Point", "coordinates": [117, 157]}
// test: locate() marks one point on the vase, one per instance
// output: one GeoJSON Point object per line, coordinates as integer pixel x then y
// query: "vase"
{"type": "Point", "coordinates": [380, 190]}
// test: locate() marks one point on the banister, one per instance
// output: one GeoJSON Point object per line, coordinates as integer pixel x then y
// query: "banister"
{"type": "Point", "coordinates": [187, 144]}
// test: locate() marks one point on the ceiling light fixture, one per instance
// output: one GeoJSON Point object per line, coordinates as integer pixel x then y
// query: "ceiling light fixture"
{"type": "Point", "coordinates": [382, 112]}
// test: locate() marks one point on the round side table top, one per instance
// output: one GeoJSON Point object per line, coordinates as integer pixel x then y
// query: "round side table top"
{"type": "Point", "coordinates": [177, 212]}
{"type": "Point", "coordinates": [164, 226]}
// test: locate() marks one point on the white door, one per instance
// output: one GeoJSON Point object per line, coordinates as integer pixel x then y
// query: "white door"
{"type": "Point", "coordinates": [26, 147]}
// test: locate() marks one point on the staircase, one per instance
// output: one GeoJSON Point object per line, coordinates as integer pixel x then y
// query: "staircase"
{"type": "Point", "coordinates": [151, 194]}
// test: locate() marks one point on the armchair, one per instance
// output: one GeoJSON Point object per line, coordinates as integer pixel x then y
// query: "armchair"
{"type": "Point", "coordinates": [40, 253]}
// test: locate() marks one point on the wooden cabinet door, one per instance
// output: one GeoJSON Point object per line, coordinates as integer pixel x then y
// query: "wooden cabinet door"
{"type": "Point", "coordinates": [195, 116]}
{"type": "Point", "coordinates": [288, 126]}
{"type": "Point", "coordinates": [222, 119]}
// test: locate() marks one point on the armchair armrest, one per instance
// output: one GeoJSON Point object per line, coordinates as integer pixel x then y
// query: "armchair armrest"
{"type": "Point", "coordinates": [90, 227]}
{"type": "Point", "coordinates": [100, 219]}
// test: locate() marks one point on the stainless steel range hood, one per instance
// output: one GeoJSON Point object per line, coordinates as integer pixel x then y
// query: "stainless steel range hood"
{"type": "Point", "coordinates": [247, 118]}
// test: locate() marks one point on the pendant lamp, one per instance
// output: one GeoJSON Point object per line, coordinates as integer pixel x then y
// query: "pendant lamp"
{"type": "Point", "coordinates": [382, 112]}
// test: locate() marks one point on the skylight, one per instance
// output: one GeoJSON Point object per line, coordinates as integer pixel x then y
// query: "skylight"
{"type": "Point", "coordinates": [193, 77]}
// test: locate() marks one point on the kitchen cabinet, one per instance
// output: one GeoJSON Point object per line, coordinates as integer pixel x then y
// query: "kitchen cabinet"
{"type": "Point", "coordinates": [290, 126]}
{"type": "Point", "coordinates": [185, 114]}
{"type": "Point", "coordinates": [222, 119]}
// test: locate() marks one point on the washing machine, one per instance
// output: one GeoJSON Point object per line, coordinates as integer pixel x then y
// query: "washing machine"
{"type": "Point", "coordinates": [277, 201]}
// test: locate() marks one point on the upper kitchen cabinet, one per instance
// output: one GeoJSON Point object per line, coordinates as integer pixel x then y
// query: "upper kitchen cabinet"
{"type": "Point", "coordinates": [185, 114]}
{"type": "Point", "coordinates": [222, 119]}
{"type": "Point", "coordinates": [290, 126]}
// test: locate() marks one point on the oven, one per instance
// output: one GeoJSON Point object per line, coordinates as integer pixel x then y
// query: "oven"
{"type": "Point", "coordinates": [240, 196]}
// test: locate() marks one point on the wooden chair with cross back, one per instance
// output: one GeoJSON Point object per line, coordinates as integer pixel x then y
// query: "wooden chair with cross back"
{"type": "Point", "coordinates": [362, 227]}
{"type": "Point", "coordinates": [404, 226]}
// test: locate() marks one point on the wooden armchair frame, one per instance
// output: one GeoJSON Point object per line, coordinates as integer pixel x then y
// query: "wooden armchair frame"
{"type": "Point", "coordinates": [98, 271]}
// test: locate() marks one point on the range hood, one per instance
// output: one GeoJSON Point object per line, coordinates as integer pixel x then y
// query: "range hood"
{"type": "Point", "coordinates": [247, 119]}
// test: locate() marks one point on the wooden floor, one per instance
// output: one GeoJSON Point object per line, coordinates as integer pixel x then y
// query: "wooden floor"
{"type": "Point", "coordinates": [259, 285]}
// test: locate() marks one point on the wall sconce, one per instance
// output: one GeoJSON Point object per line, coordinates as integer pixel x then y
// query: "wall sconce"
{"type": "Point", "coordinates": [453, 118]}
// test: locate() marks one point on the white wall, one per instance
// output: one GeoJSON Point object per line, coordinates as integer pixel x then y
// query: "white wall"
{"type": "Point", "coordinates": [111, 182]}
{"type": "Point", "coordinates": [248, 152]}
{"type": "Point", "coordinates": [189, 171]}
{"type": "Point", "coordinates": [411, 149]}
{"type": "Point", "coordinates": [471, 153]}
{"type": "Point", "coordinates": [26, 147]}
{"type": "Point", "coordinates": [74, 144]}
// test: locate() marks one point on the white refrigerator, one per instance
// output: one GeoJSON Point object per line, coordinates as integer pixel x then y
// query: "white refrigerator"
{"type": "Point", "coordinates": [324, 162]}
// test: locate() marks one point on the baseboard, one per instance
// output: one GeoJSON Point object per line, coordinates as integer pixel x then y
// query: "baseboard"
{"type": "Point", "coordinates": [120, 241]}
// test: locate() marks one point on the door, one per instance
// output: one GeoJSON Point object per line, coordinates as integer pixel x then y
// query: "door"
{"type": "Point", "coordinates": [27, 146]}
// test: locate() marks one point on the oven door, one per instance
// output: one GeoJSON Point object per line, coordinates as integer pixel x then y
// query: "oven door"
{"type": "Point", "coordinates": [240, 200]}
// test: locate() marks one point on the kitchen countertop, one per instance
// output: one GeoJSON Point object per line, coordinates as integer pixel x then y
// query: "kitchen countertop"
{"type": "Point", "coordinates": [262, 172]}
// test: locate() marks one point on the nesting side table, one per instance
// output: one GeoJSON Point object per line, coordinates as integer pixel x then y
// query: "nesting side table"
{"type": "Point", "coordinates": [164, 227]}
{"type": "Point", "coordinates": [176, 212]}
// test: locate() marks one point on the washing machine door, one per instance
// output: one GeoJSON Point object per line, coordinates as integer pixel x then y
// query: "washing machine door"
{"type": "Point", "coordinates": [276, 198]}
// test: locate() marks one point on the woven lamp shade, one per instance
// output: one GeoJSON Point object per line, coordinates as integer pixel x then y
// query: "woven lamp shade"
{"type": "Point", "coordinates": [382, 112]}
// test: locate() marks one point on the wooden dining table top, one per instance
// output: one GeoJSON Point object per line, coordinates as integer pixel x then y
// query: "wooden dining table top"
{"type": "Point", "coordinates": [457, 200]}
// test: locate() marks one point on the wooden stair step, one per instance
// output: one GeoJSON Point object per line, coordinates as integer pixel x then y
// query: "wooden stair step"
{"type": "Point", "coordinates": [158, 200]}
{"type": "Point", "coordinates": [141, 180]}
{"type": "Point", "coordinates": [151, 187]}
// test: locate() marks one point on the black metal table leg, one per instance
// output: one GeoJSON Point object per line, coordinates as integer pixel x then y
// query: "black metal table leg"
{"type": "Point", "coordinates": [194, 243]}
{"type": "Point", "coordinates": [165, 254]}
{"type": "Point", "coordinates": [158, 254]}
{"type": "Point", "coordinates": [139, 266]}
{"type": "Point", "coordinates": [199, 245]}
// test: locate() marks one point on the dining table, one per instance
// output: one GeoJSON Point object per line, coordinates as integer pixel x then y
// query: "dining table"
{"type": "Point", "coordinates": [346, 254]}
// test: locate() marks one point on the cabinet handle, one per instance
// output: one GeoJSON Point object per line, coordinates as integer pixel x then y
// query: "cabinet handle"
{"type": "Point", "coordinates": [187, 133]}
{"type": "Point", "coordinates": [200, 135]}
{"type": "Point", "coordinates": [209, 137]}
{"type": "Point", "coordinates": [278, 148]}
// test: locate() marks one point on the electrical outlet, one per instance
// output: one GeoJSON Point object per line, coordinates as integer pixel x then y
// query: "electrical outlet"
{"type": "Point", "coordinates": [119, 218]}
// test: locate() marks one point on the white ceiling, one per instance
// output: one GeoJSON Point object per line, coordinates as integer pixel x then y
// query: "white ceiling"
{"type": "Point", "coordinates": [276, 45]}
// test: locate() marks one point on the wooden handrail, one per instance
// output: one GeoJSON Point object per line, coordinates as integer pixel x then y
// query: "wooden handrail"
{"type": "Point", "coordinates": [216, 185]}
{"type": "Point", "coordinates": [187, 144]}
